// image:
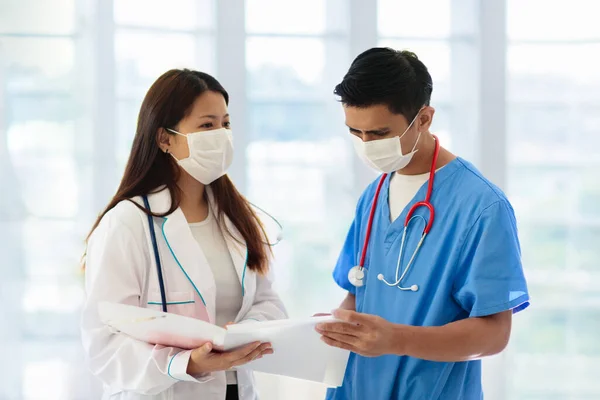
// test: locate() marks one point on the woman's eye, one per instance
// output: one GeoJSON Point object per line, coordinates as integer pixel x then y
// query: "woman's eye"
{"type": "Point", "coordinates": [207, 125]}
{"type": "Point", "coordinates": [227, 124]}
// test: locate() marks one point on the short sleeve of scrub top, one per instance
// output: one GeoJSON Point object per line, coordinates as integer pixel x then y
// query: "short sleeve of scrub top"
{"type": "Point", "coordinates": [347, 260]}
{"type": "Point", "coordinates": [349, 255]}
{"type": "Point", "coordinates": [490, 275]}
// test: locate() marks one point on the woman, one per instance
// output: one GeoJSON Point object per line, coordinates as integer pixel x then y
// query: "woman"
{"type": "Point", "coordinates": [211, 247]}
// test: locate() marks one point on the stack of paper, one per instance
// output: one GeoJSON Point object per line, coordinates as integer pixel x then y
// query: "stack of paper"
{"type": "Point", "coordinates": [298, 349]}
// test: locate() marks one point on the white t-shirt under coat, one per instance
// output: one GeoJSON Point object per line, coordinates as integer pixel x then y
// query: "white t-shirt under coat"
{"type": "Point", "coordinates": [209, 236]}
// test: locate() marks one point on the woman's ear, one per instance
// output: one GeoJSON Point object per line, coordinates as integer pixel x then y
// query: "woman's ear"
{"type": "Point", "coordinates": [163, 139]}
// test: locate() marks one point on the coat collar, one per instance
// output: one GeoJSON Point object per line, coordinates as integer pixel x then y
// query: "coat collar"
{"type": "Point", "coordinates": [177, 233]}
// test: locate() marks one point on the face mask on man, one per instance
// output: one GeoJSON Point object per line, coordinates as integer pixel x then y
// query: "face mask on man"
{"type": "Point", "coordinates": [211, 154]}
{"type": "Point", "coordinates": [385, 155]}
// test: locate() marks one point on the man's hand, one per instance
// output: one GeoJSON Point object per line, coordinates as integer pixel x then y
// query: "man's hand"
{"type": "Point", "coordinates": [463, 340]}
{"type": "Point", "coordinates": [364, 334]}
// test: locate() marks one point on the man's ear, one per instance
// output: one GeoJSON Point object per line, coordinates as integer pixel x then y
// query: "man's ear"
{"type": "Point", "coordinates": [425, 118]}
{"type": "Point", "coordinates": [163, 139]}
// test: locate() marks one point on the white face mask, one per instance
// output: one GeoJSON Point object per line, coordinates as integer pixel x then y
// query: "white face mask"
{"type": "Point", "coordinates": [211, 154]}
{"type": "Point", "coordinates": [385, 155]}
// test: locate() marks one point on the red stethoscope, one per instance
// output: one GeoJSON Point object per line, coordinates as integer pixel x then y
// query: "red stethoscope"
{"type": "Point", "coordinates": [356, 274]}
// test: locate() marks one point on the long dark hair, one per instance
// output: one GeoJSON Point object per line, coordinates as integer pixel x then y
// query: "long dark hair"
{"type": "Point", "coordinates": [148, 169]}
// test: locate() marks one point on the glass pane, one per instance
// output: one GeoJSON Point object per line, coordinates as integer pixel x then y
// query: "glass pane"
{"type": "Point", "coordinates": [37, 16]}
{"type": "Point", "coordinates": [291, 121]}
{"type": "Point", "coordinates": [586, 247]}
{"type": "Point", "coordinates": [52, 310]}
{"type": "Point", "coordinates": [178, 14]}
{"type": "Point", "coordinates": [127, 113]}
{"type": "Point", "coordinates": [285, 67]}
{"type": "Point", "coordinates": [553, 160]}
{"type": "Point", "coordinates": [42, 159]}
{"type": "Point", "coordinates": [547, 128]}
{"type": "Point", "coordinates": [137, 67]}
{"type": "Point", "coordinates": [553, 20]}
{"type": "Point", "coordinates": [551, 376]}
{"type": "Point", "coordinates": [315, 218]}
{"type": "Point", "coordinates": [540, 193]}
{"type": "Point", "coordinates": [34, 64]}
{"type": "Point", "coordinates": [544, 245]}
{"type": "Point", "coordinates": [589, 118]}
{"type": "Point", "coordinates": [49, 257]}
{"type": "Point", "coordinates": [588, 203]}
{"type": "Point", "coordinates": [285, 17]}
{"type": "Point", "coordinates": [548, 72]}
{"type": "Point", "coordinates": [408, 18]}
{"type": "Point", "coordinates": [586, 324]}
{"type": "Point", "coordinates": [52, 370]}
{"type": "Point", "coordinates": [543, 332]}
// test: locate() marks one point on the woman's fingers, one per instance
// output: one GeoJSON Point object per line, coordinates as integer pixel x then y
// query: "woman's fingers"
{"type": "Point", "coordinates": [264, 348]}
{"type": "Point", "coordinates": [267, 352]}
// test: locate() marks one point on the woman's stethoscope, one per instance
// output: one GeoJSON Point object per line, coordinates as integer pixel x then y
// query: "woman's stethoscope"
{"type": "Point", "coordinates": [356, 274]}
{"type": "Point", "coordinates": [161, 282]}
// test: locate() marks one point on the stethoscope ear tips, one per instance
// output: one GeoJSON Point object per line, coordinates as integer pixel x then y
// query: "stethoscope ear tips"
{"type": "Point", "coordinates": [414, 288]}
{"type": "Point", "coordinates": [380, 277]}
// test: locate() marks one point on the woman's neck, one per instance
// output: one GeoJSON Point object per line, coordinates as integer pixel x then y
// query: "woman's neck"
{"type": "Point", "coordinates": [193, 202]}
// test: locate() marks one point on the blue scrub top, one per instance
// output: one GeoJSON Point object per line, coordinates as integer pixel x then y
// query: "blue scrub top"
{"type": "Point", "coordinates": [468, 266]}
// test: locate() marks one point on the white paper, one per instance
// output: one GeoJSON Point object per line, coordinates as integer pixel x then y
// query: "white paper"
{"type": "Point", "coordinates": [298, 349]}
{"type": "Point", "coordinates": [157, 327]}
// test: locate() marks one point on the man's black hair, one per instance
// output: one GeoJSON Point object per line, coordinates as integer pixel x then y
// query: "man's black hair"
{"type": "Point", "coordinates": [397, 79]}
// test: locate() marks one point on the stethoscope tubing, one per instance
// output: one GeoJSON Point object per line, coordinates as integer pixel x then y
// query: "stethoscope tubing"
{"type": "Point", "coordinates": [409, 216]}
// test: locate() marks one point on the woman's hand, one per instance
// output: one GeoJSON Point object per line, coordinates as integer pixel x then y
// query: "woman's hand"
{"type": "Point", "coordinates": [204, 360]}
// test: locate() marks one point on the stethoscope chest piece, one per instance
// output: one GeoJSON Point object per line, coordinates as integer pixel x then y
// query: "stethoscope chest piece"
{"type": "Point", "coordinates": [356, 276]}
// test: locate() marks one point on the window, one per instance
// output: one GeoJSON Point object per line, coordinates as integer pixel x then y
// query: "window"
{"type": "Point", "coordinates": [552, 110]}
{"type": "Point", "coordinates": [73, 74]}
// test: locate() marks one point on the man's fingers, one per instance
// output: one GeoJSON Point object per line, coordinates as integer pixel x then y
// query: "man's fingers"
{"type": "Point", "coordinates": [352, 316]}
{"type": "Point", "coordinates": [341, 345]}
{"type": "Point", "coordinates": [340, 327]}
{"type": "Point", "coordinates": [342, 338]}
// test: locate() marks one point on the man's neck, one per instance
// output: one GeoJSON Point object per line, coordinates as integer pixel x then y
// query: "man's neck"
{"type": "Point", "coordinates": [422, 159]}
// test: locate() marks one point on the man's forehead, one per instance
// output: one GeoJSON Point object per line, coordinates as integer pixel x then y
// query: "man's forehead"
{"type": "Point", "coordinates": [371, 118]}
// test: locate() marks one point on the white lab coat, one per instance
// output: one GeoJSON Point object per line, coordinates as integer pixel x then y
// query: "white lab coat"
{"type": "Point", "coordinates": [120, 267]}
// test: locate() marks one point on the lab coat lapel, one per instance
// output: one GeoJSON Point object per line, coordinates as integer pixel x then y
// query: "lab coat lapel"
{"type": "Point", "coordinates": [239, 254]}
{"type": "Point", "coordinates": [184, 249]}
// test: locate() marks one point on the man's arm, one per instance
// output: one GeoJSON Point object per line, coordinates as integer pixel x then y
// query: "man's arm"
{"type": "Point", "coordinates": [464, 340]}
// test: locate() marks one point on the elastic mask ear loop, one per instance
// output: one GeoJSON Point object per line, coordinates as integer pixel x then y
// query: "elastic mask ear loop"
{"type": "Point", "coordinates": [411, 124]}
{"type": "Point", "coordinates": [177, 133]}
{"type": "Point", "coordinates": [416, 142]}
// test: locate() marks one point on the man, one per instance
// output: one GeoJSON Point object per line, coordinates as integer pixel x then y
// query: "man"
{"type": "Point", "coordinates": [421, 318]}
